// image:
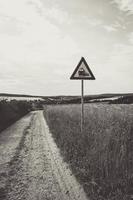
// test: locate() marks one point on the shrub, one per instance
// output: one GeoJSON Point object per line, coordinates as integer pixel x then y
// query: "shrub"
{"type": "Point", "coordinates": [12, 111]}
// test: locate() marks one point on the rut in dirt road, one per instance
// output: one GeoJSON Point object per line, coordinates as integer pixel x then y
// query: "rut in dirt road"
{"type": "Point", "coordinates": [32, 168]}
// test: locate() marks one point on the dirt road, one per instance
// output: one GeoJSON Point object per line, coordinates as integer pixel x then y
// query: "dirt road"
{"type": "Point", "coordinates": [31, 167]}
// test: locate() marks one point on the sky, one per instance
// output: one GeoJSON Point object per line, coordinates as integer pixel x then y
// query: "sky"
{"type": "Point", "coordinates": [42, 41]}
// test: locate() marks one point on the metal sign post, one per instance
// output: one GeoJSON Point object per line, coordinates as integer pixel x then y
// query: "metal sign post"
{"type": "Point", "coordinates": [82, 105]}
{"type": "Point", "coordinates": [82, 72]}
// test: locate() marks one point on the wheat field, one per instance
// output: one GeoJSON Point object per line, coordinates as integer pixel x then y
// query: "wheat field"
{"type": "Point", "coordinates": [102, 156]}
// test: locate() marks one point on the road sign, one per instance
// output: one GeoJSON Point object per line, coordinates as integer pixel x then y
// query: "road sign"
{"type": "Point", "coordinates": [82, 71]}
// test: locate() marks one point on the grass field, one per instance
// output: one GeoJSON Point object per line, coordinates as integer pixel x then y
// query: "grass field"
{"type": "Point", "coordinates": [102, 157]}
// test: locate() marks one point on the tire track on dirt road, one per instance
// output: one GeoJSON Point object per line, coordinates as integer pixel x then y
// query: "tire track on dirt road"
{"type": "Point", "coordinates": [10, 146]}
{"type": "Point", "coordinates": [37, 171]}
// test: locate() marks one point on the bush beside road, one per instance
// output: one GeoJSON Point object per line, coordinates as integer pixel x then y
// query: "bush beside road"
{"type": "Point", "coordinates": [11, 111]}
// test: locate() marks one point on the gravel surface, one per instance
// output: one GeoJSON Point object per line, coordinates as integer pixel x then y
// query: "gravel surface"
{"type": "Point", "coordinates": [31, 167]}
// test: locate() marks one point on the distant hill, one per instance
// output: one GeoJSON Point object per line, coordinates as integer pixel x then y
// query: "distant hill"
{"type": "Point", "coordinates": [119, 98]}
{"type": "Point", "coordinates": [16, 95]}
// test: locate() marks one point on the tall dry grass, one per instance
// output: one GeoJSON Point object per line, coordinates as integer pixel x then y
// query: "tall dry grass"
{"type": "Point", "coordinates": [102, 157]}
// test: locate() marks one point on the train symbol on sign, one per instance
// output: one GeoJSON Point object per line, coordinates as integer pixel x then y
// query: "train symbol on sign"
{"type": "Point", "coordinates": [82, 72]}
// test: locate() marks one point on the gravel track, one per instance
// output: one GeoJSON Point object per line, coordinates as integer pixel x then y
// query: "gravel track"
{"type": "Point", "coordinates": [31, 167]}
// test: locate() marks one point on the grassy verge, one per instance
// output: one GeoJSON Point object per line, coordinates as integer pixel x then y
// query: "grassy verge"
{"type": "Point", "coordinates": [102, 157]}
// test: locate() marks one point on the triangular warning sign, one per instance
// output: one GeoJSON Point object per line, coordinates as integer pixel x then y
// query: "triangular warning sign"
{"type": "Point", "coordinates": [82, 71]}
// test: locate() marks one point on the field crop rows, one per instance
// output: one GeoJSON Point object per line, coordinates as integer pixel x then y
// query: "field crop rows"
{"type": "Point", "coordinates": [102, 157]}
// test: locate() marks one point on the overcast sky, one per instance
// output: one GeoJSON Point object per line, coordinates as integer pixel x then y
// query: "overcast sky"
{"type": "Point", "coordinates": [42, 41]}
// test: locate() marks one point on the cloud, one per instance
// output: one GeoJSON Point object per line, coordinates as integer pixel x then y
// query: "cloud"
{"type": "Point", "coordinates": [33, 37]}
{"type": "Point", "coordinates": [93, 22]}
{"type": "Point", "coordinates": [125, 5]}
{"type": "Point", "coordinates": [57, 15]}
{"type": "Point", "coordinates": [130, 36]}
{"type": "Point", "coordinates": [109, 28]}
